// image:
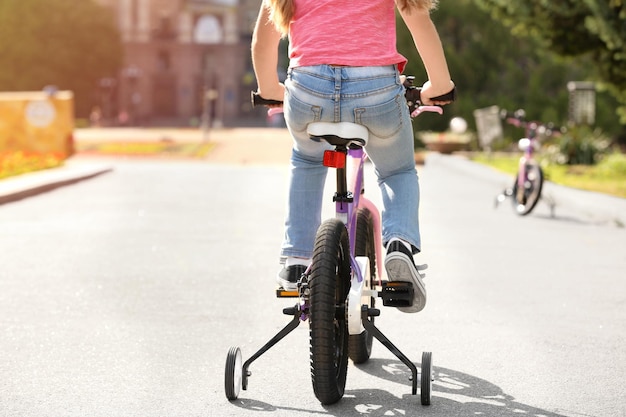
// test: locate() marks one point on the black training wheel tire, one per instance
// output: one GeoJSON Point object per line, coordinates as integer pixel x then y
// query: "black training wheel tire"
{"type": "Point", "coordinates": [360, 345]}
{"type": "Point", "coordinates": [524, 201]}
{"type": "Point", "coordinates": [234, 373]}
{"type": "Point", "coordinates": [329, 284]}
{"type": "Point", "coordinates": [426, 379]}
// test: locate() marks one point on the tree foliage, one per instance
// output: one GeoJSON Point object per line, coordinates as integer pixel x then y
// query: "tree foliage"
{"type": "Point", "coordinates": [596, 28]}
{"type": "Point", "coordinates": [491, 66]}
{"type": "Point", "coordinates": [67, 43]}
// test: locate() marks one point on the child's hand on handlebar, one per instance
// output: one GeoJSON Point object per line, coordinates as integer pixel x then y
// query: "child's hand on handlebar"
{"type": "Point", "coordinates": [436, 96]}
{"type": "Point", "coordinates": [276, 93]}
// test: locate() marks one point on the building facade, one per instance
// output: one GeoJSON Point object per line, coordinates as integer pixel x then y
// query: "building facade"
{"type": "Point", "coordinates": [185, 61]}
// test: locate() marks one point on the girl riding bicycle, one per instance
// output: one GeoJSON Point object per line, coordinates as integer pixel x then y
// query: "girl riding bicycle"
{"type": "Point", "coordinates": [344, 66]}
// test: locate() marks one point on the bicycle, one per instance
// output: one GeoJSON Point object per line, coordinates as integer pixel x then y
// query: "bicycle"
{"type": "Point", "coordinates": [528, 183]}
{"type": "Point", "coordinates": [337, 293]}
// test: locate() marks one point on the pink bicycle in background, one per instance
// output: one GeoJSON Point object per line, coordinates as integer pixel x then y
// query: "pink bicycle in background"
{"type": "Point", "coordinates": [528, 183]}
{"type": "Point", "coordinates": [337, 294]}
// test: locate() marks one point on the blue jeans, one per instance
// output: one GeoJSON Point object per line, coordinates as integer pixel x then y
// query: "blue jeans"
{"type": "Point", "coordinates": [373, 97]}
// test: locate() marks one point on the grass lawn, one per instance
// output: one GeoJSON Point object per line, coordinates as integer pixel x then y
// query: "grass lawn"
{"type": "Point", "coordinates": [608, 176]}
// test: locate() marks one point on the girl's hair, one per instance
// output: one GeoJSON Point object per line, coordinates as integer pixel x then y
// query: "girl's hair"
{"type": "Point", "coordinates": [282, 11]}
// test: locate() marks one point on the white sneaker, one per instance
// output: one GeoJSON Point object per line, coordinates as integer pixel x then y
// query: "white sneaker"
{"type": "Point", "coordinates": [401, 267]}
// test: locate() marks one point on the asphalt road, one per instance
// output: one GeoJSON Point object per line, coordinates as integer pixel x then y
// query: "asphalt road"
{"type": "Point", "coordinates": [120, 296]}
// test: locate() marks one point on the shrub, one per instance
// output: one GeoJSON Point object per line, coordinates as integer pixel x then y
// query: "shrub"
{"type": "Point", "coordinates": [581, 145]}
{"type": "Point", "coordinates": [20, 162]}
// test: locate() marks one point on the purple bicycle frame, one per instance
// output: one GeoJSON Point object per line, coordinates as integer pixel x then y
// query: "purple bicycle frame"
{"type": "Point", "coordinates": [347, 212]}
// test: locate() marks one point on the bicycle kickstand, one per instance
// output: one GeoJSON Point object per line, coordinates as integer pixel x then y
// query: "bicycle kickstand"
{"type": "Point", "coordinates": [503, 196]}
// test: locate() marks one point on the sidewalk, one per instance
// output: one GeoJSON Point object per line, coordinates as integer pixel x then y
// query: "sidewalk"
{"type": "Point", "coordinates": [267, 146]}
{"type": "Point", "coordinates": [232, 145]}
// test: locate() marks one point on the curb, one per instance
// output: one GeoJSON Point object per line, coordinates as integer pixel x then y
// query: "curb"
{"type": "Point", "coordinates": [27, 185]}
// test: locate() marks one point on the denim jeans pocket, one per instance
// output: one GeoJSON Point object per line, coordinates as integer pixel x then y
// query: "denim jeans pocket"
{"type": "Point", "coordinates": [383, 120]}
{"type": "Point", "coordinates": [299, 114]}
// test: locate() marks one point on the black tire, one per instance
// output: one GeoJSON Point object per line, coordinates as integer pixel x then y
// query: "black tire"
{"type": "Point", "coordinates": [360, 345]}
{"type": "Point", "coordinates": [329, 284]}
{"type": "Point", "coordinates": [233, 375]}
{"type": "Point", "coordinates": [426, 378]}
{"type": "Point", "coordinates": [524, 201]}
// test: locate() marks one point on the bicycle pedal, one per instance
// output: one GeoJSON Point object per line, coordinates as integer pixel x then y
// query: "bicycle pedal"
{"type": "Point", "coordinates": [283, 293]}
{"type": "Point", "coordinates": [397, 294]}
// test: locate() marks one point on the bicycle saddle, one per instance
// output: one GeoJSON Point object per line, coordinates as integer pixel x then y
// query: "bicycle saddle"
{"type": "Point", "coordinates": [338, 134]}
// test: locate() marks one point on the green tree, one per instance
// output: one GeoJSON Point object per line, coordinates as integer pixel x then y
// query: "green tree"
{"type": "Point", "coordinates": [593, 28]}
{"type": "Point", "coordinates": [67, 43]}
{"type": "Point", "coordinates": [491, 66]}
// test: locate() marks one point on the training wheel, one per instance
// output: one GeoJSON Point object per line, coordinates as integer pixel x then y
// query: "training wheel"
{"type": "Point", "coordinates": [427, 377]}
{"type": "Point", "coordinates": [234, 373]}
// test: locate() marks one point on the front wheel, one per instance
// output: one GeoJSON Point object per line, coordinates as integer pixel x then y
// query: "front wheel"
{"type": "Point", "coordinates": [329, 284]}
{"type": "Point", "coordinates": [526, 196]}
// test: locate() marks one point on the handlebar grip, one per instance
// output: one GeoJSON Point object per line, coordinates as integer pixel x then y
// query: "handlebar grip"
{"type": "Point", "coordinates": [449, 96]}
{"type": "Point", "coordinates": [257, 100]}
{"type": "Point", "coordinates": [413, 95]}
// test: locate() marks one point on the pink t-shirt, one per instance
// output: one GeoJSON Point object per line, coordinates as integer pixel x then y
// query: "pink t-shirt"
{"type": "Point", "coordinates": [344, 32]}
